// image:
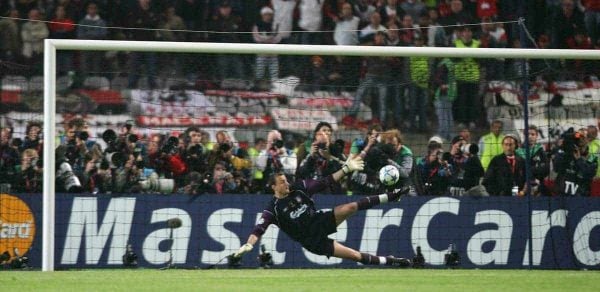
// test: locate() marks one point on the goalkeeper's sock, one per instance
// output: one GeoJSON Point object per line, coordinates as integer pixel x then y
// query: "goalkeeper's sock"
{"type": "Point", "coordinates": [370, 201]}
{"type": "Point", "coordinates": [368, 259]}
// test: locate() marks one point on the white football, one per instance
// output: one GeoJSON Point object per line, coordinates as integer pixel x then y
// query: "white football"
{"type": "Point", "coordinates": [389, 175]}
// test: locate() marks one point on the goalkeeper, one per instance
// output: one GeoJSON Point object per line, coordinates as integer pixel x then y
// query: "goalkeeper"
{"type": "Point", "coordinates": [292, 209]}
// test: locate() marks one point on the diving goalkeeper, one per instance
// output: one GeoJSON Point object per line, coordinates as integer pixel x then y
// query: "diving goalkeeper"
{"type": "Point", "coordinates": [292, 209]}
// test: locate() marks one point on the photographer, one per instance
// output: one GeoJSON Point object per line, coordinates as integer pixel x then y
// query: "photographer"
{"type": "Point", "coordinates": [505, 175]}
{"type": "Point", "coordinates": [30, 173]}
{"type": "Point", "coordinates": [367, 180]}
{"type": "Point", "coordinates": [434, 172]}
{"type": "Point", "coordinates": [276, 157]}
{"type": "Point", "coordinates": [324, 157]}
{"type": "Point", "coordinates": [466, 166]}
{"type": "Point", "coordinates": [96, 177]}
{"type": "Point", "coordinates": [538, 161]}
{"type": "Point", "coordinates": [574, 165]}
{"type": "Point", "coordinates": [9, 159]}
{"type": "Point", "coordinates": [33, 140]}
{"type": "Point", "coordinates": [193, 155]}
{"type": "Point", "coordinates": [392, 151]}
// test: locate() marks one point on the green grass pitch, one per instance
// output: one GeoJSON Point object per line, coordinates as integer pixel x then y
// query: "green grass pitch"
{"type": "Point", "coordinates": [270, 280]}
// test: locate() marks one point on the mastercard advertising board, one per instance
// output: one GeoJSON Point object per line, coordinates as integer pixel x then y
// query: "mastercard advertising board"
{"type": "Point", "coordinates": [17, 226]}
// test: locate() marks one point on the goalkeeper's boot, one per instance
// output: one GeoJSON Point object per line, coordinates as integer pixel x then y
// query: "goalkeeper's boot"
{"type": "Point", "coordinates": [398, 262]}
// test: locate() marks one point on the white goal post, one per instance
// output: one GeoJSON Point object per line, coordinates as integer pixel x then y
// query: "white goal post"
{"type": "Point", "coordinates": [52, 45]}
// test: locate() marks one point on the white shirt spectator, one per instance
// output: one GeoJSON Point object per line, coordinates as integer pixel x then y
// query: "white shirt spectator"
{"type": "Point", "coordinates": [311, 15]}
{"type": "Point", "coordinates": [368, 30]}
{"type": "Point", "coordinates": [346, 32]}
{"type": "Point", "coordinates": [283, 17]}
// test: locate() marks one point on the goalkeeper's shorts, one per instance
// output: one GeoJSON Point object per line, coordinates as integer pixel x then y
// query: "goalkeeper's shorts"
{"type": "Point", "coordinates": [317, 241]}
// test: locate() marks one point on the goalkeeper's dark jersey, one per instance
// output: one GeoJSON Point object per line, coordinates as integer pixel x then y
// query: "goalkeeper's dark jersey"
{"type": "Point", "coordinates": [295, 213]}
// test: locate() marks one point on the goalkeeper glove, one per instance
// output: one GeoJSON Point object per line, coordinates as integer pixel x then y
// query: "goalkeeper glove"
{"type": "Point", "coordinates": [353, 164]}
{"type": "Point", "coordinates": [243, 249]}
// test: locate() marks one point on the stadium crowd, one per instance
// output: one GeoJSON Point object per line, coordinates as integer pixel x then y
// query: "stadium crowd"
{"type": "Point", "coordinates": [405, 87]}
{"type": "Point", "coordinates": [192, 164]}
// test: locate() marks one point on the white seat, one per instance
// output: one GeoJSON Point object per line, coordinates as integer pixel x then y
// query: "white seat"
{"type": "Point", "coordinates": [15, 82]}
{"type": "Point", "coordinates": [96, 82]}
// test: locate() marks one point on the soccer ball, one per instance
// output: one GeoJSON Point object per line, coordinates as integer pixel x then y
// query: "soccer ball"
{"type": "Point", "coordinates": [389, 175]}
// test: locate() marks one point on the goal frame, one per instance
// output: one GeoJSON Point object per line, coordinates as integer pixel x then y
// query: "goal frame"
{"type": "Point", "coordinates": [51, 46]}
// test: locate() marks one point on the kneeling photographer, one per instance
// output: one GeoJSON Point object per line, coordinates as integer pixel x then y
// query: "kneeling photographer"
{"type": "Point", "coordinates": [574, 165]}
{"type": "Point", "coordinates": [276, 157]}
{"type": "Point", "coordinates": [467, 169]}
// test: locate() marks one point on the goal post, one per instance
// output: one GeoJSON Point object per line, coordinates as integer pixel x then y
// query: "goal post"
{"type": "Point", "coordinates": [54, 45]}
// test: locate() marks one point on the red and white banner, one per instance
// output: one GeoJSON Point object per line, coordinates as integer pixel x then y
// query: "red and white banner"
{"type": "Point", "coordinates": [166, 103]}
{"type": "Point", "coordinates": [299, 120]}
{"type": "Point", "coordinates": [573, 93]}
{"type": "Point", "coordinates": [204, 120]}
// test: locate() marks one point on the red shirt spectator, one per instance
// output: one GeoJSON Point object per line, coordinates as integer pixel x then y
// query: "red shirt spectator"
{"type": "Point", "coordinates": [486, 8]}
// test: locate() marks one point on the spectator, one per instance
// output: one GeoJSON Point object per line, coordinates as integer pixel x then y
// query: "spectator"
{"type": "Point", "coordinates": [62, 27]}
{"type": "Point", "coordinates": [493, 35]}
{"type": "Point", "coordinates": [373, 27]}
{"type": "Point", "coordinates": [414, 8]}
{"type": "Point", "coordinates": [444, 85]}
{"type": "Point", "coordinates": [390, 12]}
{"type": "Point", "coordinates": [538, 161]}
{"type": "Point", "coordinates": [225, 25]}
{"type": "Point", "coordinates": [144, 17]}
{"type": "Point", "coordinates": [193, 14]}
{"type": "Point", "coordinates": [33, 33]}
{"type": "Point", "coordinates": [172, 26]}
{"type": "Point", "coordinates": [419, 88]}
{"type": "Point", "coordinates": [457, 16]}
{"type": "Point", "coordinates": [283, 17]}
{"type": "Point", "coordinates": [263, 33]}
{"type": "Point", "coordinates": [10, 40]}
{"type": "Point", "coordinates": [575, 165]}
{"type": "Point", "coordinates": [364, 9]}
{"type": "Point", "coordinates": [486, 8]}
{"type": "Point", "coordinates": [310, 22]}
{"type": "Point", "coordinates": [466, 167]}
{"type": "Point", "coordinates": [436, 35]}
{"type": "Point", "coordinates": [92, 27]}
{"type": "Point", "coordinates": [467, 104]}
{"type": "Point", "coordinates": [346, 27]}
{"type": "Point", "coordinates": [565, 23]}
{"type": "Point", "coordinates": [408, 31]}
{"type": "Point", "coordinates": [378, 73]}
{"type": "Point", "coordinates": [324, 158]}
{"type": "Point", "coordinates": [592, 19]}
{"type": "Point", "coordinates": [490, 145]}
{"type": "Point", "coordinates": [506, 173]}
{"type": "Point", "coordinates": [258, 177]}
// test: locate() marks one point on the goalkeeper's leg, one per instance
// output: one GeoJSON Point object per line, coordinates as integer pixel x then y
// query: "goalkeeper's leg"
{"type": "Point", "coordinates": [341, 251]}
{"type": "Point", "coordinates": [342, 212]}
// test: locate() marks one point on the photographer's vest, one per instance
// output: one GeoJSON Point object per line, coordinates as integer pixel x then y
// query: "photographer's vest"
{"type": "Point", "coordinates": [594, 148]}
{"type": "Point", "coordinates": [467, 69]}
{"type": "Point", "coordinates": [451, 92]}
{"type": "Point", "coordinates": [492, 146]}
{"type": "Point", "coordinates": [419, 71]}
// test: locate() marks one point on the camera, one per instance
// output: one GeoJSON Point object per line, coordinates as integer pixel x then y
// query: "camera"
{"type": "Point", "coordinates": [472, 149]}
{"type": "Point", "coordinates": [451, 258]}
{"type": "Point", "coordinates": [70, 181]}
{"type": "Point", "coordinates": [82, 135]}
{"type": "Point", "coordinates": [130, 258]}
{"type": "Point", "coordinates": [154, 184]}
{"type": "Point", "coordinates": [278, 144]}
{"type": "Point", "coordinates": [265, 259]}
{"type": "Point", "coordinates": [170, 146]}
{"type": "Point", "coordinates": [571, 140]}
{"type": "Point", "coordinates": [322, 146]}
{"type": "Point", "coordinates": [115, 159]}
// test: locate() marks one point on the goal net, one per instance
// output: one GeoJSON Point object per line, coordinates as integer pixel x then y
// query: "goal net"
{"type": "Point", "coordinates": [159, 154]}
